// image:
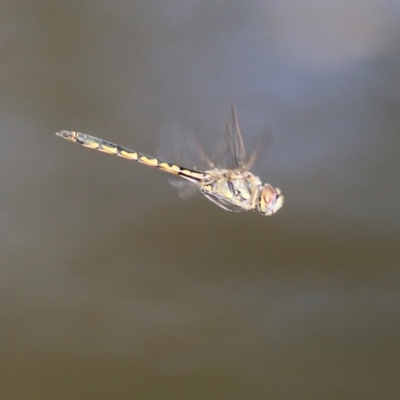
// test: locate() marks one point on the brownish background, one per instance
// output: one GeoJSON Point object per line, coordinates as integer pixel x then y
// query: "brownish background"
{"type": "Point", "coordinates": [112, 287]}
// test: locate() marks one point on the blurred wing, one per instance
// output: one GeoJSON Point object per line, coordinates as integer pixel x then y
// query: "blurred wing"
{"type": "Point", "coordinates": [223, 203]}
{"type": "Point", "coordinates": [182, 148]}
{"type": "Point", "coordinates": [204, 161]}
{"type": "Point", "coordinates": [258, 150]}
{"type": "Point", "coordinates": [185, 188]}
{"type": "Point", "coordinates": [234, 141]}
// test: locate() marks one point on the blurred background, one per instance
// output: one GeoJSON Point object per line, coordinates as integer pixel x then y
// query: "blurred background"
{"type": "Point", "coordinates": [112, 287]}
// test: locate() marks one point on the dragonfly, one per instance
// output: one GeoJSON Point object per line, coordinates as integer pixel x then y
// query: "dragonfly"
{"type": "Point", "coordinates": [233, 188]}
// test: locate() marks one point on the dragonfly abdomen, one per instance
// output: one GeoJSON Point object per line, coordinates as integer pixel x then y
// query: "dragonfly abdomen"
{"type": "Point", "coordinates": [95, 143]}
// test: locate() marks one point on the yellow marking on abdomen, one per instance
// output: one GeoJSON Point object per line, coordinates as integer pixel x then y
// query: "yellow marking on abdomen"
{"type": "Point", "coordinates": [108, 149]}
{"type": "Point", "coordinates": [195, 175]}
{"type": "Point", "coordinates": [91, 144]}
{"type": "Point", "coordinates": [173, 169]}
{"type": "Point", "coordinates": [152, 162]}
{"type": "Point", "coordinates": [128, 155]}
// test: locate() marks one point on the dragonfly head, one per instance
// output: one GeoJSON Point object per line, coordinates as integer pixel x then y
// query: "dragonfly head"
{"type": "Point", "coordinates": [270, 200]}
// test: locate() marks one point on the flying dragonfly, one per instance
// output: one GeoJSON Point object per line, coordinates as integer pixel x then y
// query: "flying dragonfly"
{"type": "Point", "coordinates": [233, 188]}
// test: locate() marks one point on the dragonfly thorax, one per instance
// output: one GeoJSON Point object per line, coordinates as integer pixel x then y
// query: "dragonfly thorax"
{"type": "Point", "coordinates": [233, 190]}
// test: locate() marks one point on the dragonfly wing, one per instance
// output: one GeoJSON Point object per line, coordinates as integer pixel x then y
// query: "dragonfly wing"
{"type": "Point", "coordinates": [221, 202]}
{"type": "Point", "coordinates": [234, 141]}
{"type": "Point", "coordinates": [181, 147]}
{"type": "Point", "coordinates": [186, 189]}
{"type": "Point", "coordinates": [258, 150]}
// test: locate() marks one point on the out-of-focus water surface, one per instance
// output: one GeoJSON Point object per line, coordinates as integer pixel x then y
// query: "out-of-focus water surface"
{"type": "Point", "coordinates": [112, 287]}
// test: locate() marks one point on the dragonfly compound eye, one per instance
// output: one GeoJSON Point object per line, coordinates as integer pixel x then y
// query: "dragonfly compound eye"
{"type": "Point", "coordinates": [270, 200]}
